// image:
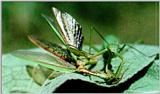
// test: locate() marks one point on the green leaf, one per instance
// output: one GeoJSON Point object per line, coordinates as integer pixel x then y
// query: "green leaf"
{"type": "Point", "coordinates": [40, 74]}
{"type": "Point", "coordinates": [111, 39]}
{"type": "Point", "coordinates": [15, 77]}
{"type": "Point", "coordinates": [134, 62]}
{"type": "Point", "coordinates": [149, 83]}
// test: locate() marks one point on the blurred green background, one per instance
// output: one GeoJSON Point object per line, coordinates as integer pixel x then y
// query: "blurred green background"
{"type": "Point", "coordinates": [129, 21]}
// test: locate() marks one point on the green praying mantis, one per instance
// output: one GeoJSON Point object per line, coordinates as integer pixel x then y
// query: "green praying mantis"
{"type": "Point", "coordinates": [70, 57]}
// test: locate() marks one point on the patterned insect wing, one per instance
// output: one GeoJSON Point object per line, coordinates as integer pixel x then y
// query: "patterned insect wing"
{"type": "Point", "coordinates": [70, 29]}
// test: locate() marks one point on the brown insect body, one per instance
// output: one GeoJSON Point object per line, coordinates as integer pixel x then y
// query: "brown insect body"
{"type": "Point", "coordinates": [52, 48]}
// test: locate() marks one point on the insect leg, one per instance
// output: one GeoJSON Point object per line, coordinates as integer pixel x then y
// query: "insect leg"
{"type": "Point", "coordinates": [120, 67]}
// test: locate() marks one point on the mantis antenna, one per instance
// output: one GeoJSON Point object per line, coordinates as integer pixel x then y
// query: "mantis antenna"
{"type": "Point", "coordinates": [90, 42]}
